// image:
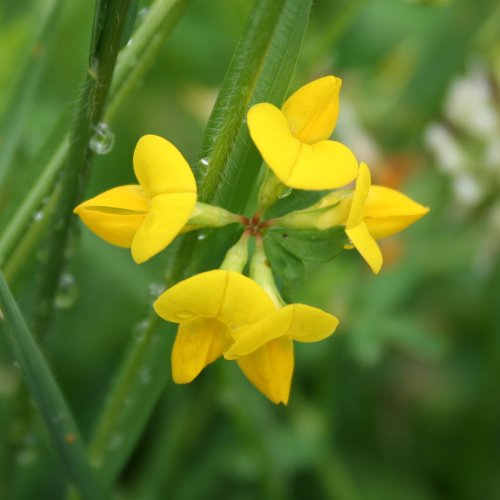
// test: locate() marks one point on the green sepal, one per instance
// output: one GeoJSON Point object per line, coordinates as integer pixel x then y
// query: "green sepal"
{"type": "Point", "coordinates": [287, 268]}
{"type": "Point", "coordinates": [310, 245]}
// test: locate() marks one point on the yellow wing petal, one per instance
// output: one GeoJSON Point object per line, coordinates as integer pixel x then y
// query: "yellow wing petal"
{"type": "Point", "coordinates": [312, 110]}
{"type": "Point", "coordinates": [195, 297]}
{"type": "Point", "coordinates": [295, 321]}
{"type": "Point", "coordinates": [388, 211]}
{"type": "Point", "coordinates": [198, 343]}
{"type": "Point", "coordinates": [366, 246]}
{"type": "Point", "coordinates": [310, 324]}
{"type": "Point", "coordinates": [270, 369]}
{"type": "Point", "coordinates": [116, 214]}
{"type": "Point", "coordinates": [160, 168]}
{"type": "Point", "coordinates": [167, 215]}
{"type": "Point", "coordinates": [324, 165]}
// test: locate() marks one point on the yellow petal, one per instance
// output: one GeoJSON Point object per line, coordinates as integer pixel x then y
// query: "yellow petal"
{"type": "Point", "coordinates": [245, 302]}
{"type": "Point", "coordinates": [160, 168]}
{"type": "Point", "coordinates": [116, 214]}
{"type": "Point", "coordinates": [270, 131]}
{"type": "Point", "coordinates": [198, 343]}
{"type": "Point", "coordinates": [270, 369]}
{"type": "Point", "coordinates": [366, 246]}
{"type": "Point", "coordinates": [296, 321]}
{"type": "Point", "coordinates": [167, 215]}
{"type": "Point", "coordinates": [356, 214]}
{"type": "Point", "coordinates": [197, 297]}
{"type": "Point", "coordinates": [310, 324]}
{"type": "Point", "coordinates": [233, 298]}
{"type": "Point", "coordinates": [388, 211]}
{"type": "Point", "coordinates": [324, 165]}
{"type": "Point", "coordinates": [312, 110]}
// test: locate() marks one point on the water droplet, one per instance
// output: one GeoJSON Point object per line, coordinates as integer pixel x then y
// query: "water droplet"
{"type": "Point", "coordinates": [201, 236]}
{"type": "Point", "coordinates": [155, 289]}
{"type": "Point", "coordinates": [204, 162]}
{"type": "Point", "coordinates": [286, 192]}
{"type": "Point", "coordinates": [145, 376]}
{"type": "Point", "coordinates": [37, 216]}
{"type": "Point", "coordinates": [139, 330]}
{"type": "Point", "coordinates": [67, 292]}
{"type": "Point", "coordinates": [102, 140]}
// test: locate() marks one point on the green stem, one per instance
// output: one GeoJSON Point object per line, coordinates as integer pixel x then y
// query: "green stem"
{"type": "Point", "coordinates": [16, 228]}
{"type": "Point", "coordinates": [105, 46]}
{"type": "Point", "coordinates": [56, 415]}
{"type": "Point", "coordinates": [260, 271]}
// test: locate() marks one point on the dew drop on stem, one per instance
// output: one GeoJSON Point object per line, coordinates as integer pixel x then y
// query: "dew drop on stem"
{"type": "Point", "coordinates": [102, 139]}
{"type": "Point", "coordinates": [67, 292]}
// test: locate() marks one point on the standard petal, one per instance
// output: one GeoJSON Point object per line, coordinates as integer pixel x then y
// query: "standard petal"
{"type": "Point", "coordinates": [270, 131]}
{"type": "Point", "coordinates": [270, 369]}
{"type": "Point", "coordinates": [356, 214]}
{"type": "Point", "coordinates": [160, 168]}
{"type": "Point", "coordinates": [324, 165]}
{"type": "Point", "coordinates": [116, 214]}
{"type": "Point", "coordinates": [198, 343]}
{"type": "Point", "coordinates": [167, 215]}
{"type": "Point", "coordinates": [195, 297]}
{"type": "Point", "coordinates": [312, 110]}
{"type": "Point", "coordinates": [366, 246]}
{"type": "Point", "coordinates": [388, 211]}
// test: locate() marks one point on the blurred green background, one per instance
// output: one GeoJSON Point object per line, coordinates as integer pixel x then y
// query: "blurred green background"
{"type": "Point", "coordinates": [403, 402]}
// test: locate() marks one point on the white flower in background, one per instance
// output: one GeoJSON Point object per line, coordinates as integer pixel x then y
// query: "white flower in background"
{"type": "Point", "coordinates": [467, 146]}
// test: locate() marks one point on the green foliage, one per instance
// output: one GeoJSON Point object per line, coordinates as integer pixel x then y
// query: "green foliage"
{"type": "Point", "coordinates": [310, 245]}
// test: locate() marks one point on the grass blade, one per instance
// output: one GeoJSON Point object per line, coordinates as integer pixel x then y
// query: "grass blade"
{"type": "Point", "coordinates": [55, 413]}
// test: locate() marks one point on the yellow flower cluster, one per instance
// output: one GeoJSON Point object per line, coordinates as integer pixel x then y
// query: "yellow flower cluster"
{"type": "Point", "coordinates": [222, 313]}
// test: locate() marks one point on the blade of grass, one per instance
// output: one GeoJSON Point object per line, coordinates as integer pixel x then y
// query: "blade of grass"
{"type": "Point", "coordinates": [260, 71]}
{"type": "Point", "coordinates": [55, 413]}
{"type": "Point", "coordinates": [110, 20]}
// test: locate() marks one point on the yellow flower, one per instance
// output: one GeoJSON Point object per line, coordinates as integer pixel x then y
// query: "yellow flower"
{"type": "Point", "coordinates": [222, 312]}
{"type": "Point", "coordinates": [293, 140]}
{"type": "Point", "coordinates": [376, 212]}
{"type": "Point", "coordinates": [147, 216]}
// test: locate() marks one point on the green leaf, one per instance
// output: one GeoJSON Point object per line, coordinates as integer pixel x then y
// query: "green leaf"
{"type": "Point", "coordinates": [296, 200]}
{"type": "Point", "coordinates": [55, 413]}
{"type": "Point", "coordinates": [287, 268]}
{"type": "Point", "coordinates": [310, 245]}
